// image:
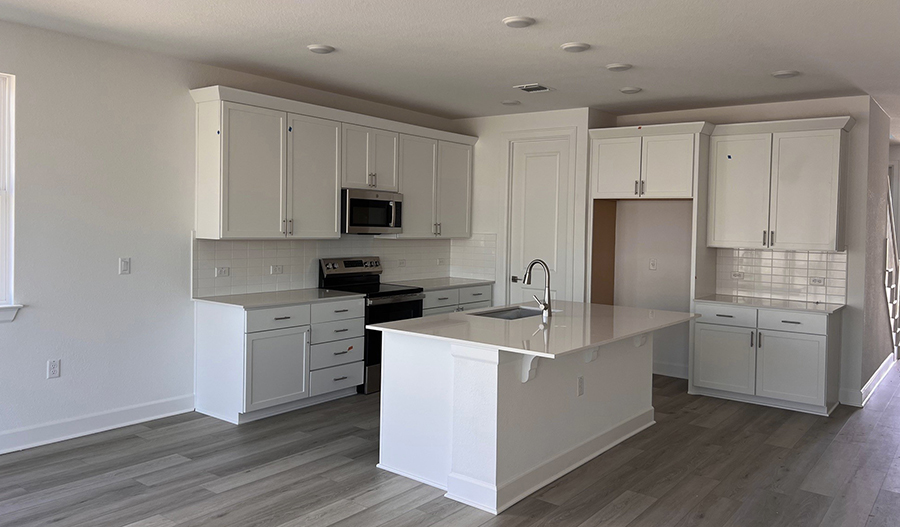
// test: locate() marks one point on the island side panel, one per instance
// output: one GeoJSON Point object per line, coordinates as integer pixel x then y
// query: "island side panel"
{"type": "Point", "coordinates": [416, 399]}
{"type": "Point", "coordinates": [546, 430]}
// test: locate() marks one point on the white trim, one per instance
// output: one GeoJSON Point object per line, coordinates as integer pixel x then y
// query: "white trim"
{"type": "Point", "coordinates": [8, 313]}
{"type": "Point", "coordinates": [32, 436]}
{"type": "Point", "coordinates": [794, 125]}
{"type": "Point", "coordinates": [670, 369]}
{"type": "Point", "coordinates": [699, 127]}
{"type": "Point", "coordinates": [7, 201]}
{"type": "Point", "coordinates": [876, 378]}
{"type": "Point", "coordinates": [429, 482]}
{"type": "Point", "coordinates": [765, 401]}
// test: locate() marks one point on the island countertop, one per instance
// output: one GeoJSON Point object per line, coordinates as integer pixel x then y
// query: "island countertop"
{"type": "Point", "coordinates": [573, 327]}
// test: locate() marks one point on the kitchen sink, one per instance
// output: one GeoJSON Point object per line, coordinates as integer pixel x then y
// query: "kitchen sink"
{"type": "Point", "coordinates": [511, 313]}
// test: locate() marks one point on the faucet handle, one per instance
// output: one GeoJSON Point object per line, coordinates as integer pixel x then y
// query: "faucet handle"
{"type": "Point", "coordinates": [539, 301]}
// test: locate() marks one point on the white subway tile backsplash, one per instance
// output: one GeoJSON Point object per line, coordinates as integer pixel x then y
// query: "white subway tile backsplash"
{"type": "Point", "coordinates": [782, 275]}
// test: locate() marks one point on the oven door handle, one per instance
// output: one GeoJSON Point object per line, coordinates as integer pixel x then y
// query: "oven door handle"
{"type": "Point", "coordinates": [379, 301]}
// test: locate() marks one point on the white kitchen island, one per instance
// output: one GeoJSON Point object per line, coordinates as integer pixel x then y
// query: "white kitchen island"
{"type": "Point", "coordinates": [491, 410]}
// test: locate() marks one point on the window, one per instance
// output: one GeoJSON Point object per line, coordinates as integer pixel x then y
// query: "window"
{"type": "Point", "coordinates": [7, 84]}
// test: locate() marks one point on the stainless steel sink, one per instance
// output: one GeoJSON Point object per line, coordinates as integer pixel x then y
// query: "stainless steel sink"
{"type": "Point", "coordinates": [510, 313]}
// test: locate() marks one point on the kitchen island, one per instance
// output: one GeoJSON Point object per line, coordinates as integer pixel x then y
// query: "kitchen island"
{"type": "Point", "coordinates": [492, 409]}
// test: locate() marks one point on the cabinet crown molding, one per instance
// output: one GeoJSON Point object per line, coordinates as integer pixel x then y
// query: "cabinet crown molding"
{"type": "Point", "coordinates": [225, 93]}
{"type": "Point", "coordinates": [699, 127]}
{"type": "Point", "coordinates": [844, 123]}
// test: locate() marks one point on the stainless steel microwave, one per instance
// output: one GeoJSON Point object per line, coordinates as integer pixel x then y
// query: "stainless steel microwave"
{"type": "Point", "coordinates": [371, 212]}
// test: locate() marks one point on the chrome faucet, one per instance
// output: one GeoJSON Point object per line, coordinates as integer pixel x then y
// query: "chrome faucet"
{"type": "Point", "coordinates": [545, 305]}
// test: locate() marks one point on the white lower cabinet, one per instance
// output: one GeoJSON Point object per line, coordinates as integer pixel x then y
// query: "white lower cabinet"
{"type": "Point", "coordinates": [276, 364]}
{"type": "Point", "coordinates": [724, 358]}
{"type": "Point", "coordinates": [791, 367]}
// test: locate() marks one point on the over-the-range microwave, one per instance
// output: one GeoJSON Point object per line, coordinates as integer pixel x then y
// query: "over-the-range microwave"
{"type": "Point", "coordinates": [371, 212]}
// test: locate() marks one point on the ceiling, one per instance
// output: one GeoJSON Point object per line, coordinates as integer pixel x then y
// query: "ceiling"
{"type": "Point", "coordinates": [454, 58]}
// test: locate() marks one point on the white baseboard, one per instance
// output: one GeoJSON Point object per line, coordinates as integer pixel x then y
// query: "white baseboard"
{"type": "Point", "coordinates": [859, 398]}
{"type": "Point", "coordinates": [249, 417]}
{"type": "Point", "coordinates": [32, 436]}
{"type": "Point", "coordinates": [429, 482]}
{"type": "Point", "coordinates": [670, 369]}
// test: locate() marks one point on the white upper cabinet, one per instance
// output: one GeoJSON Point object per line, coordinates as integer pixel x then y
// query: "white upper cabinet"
{"type": "Point", "coordinates": [739, 190]}
{"type": "Point", "coordinates": [778, 185]}
{"type": "Point", "coordinates": [253, 172]}
{"type": "Point", "coordinates": [658, 161]}
{"type": "Point", "coordinates": [370, 158]}
{"type": "Point", "coordinates": [313, 177]}
{"type": "Point", "coordinates": [418, 180]}
{"type": "Point", "coordinates": [454, 190]}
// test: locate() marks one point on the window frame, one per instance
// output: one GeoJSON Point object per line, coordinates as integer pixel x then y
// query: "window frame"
{"type": "Point", "coordinates": [7, 203]}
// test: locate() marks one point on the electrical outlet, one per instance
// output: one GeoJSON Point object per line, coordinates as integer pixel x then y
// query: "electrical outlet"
{"type": "Point", "coordinates": [737, 275]}
{"type": "Point", "coordinates": [816, 280]}
{"type": "Point", "coordinates": [124, 265]}
{"type": "Point", "coordinates": [53, 368]}
{"type": "Point", "coordinates": [580, 385]}
{"type": "Point", "coordinates": [653, 264]}
{"type": "Point", "coordinates": [276, 269]}
{"type": "Point", "coordinates": [442, 261]}
{"type": "Point", "coordinates": [223, 271]}
{"type": "Point", "coordinates": [401, 263]}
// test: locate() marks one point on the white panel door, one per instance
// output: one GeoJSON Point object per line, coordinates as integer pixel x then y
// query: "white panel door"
{"type": "Point", "coordinates": [791, 367]}
{"type": "Point", "coordinates": [277, 367]}
{"type": "Point", "coordinates": [314, 177]}
{"type": "Point", "coordinates": [739, 170]}
{"type": "Point", "coordinates": [418, 180]}
{"type": "Point", "coordinates": [253, 172]}
{"type": "Point", "coordinates": [725, 358]}
{"type": "Point", "coordinates": [539, 217]}
{"type": "Point", "coordinates": [616, 167]}
{"type": "Point", "coordinates": [805, 190]}
{"type": "Point", "coordinates": [454, 190]}
{"type": "Point", "coordinates": [667, 166]}
{"type": "Point", "coordinates": [355, 157]}
{"type": "Point", "coordinates": [383, 163]}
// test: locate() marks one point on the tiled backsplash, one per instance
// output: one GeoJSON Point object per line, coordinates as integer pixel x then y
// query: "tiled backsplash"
{"type": "Point", "coordinates": [249, 262]}
{"type": "Point", "coordinates": [782, 275]}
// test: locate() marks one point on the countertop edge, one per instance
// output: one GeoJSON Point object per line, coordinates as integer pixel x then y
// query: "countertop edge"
{"type": "Point", "coordinates": [210, 300]}
{"type": "Point", "coordinates": [475, 283]}
{"type": "Point", "coordinates": [837, 307]}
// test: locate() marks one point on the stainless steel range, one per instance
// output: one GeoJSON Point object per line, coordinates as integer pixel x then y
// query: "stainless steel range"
{"type": "Point", "coordinates": [384, 303]}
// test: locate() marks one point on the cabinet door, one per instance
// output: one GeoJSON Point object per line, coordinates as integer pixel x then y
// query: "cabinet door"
{"type": "Point", "coordinates": [277, 368]}
{"type": "Point", "coordinates": [383, 163]}
{"type": "Point", "coordinates": [454, 193]}
{"type": "Point", "coordinates": [739, 169]}
{"type": "Point", "coordinates": [314, 177]}
{"type": "Point", "coordinates": [355, 155]}
{"type": "Point", "coordinates": [724, 358]}
{"type": "Point", "coordinates": [805, 190]}
{"type": "Point", "coordinates": [791, 367]}
{"type": "Point", "coordinates": [616, 167]}
{"type": "Point", "coordinates": [253, 172]}
{"type": "Point", "coordinates": [667, 166]}
{"type": "Point", "coordinates": [418, 177]}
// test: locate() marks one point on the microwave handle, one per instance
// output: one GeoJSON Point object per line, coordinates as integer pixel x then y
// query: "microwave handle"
{"type": "Point", "coordinates": [393, 213]}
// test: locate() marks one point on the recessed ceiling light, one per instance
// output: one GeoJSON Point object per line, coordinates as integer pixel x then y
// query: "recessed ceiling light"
{"type": "Point", "coordinates": [630, 90]}
{"type": "Point", "coordinates": [518, 22]}
{"type": "Point", "coordinates": [785, 74]}
{"type": "Point", "coordinates": [618, 66]}
{"type": "Point", "coordinates": [511, 102]}
{"type": "Point", "coordinates": [575, 47]}
{"type": "Point", "coordinates": [321, 49]}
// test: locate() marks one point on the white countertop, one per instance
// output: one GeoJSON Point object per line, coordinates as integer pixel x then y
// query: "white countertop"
{"type": "Point", "coordinates": [438, 284]}
{"type": "Point", "coordinates": [573, 327]}
{"type": "Point", "coordinates": [769, 303]}
{"type": "Point", "coordinates": [280, 298]}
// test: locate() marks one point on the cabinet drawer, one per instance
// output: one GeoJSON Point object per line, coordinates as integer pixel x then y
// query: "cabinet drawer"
{"type": "Point", "coordinates": [448, 297]}
{"type": "Point", "coordinates": [330, 311]}
{"type": "Point", "coordinates": [726, 315]}
{"type": "Point", "coordinates": [277, 318]}
{"type": "Point", "coordinates": [481, 293]}
{"type": "Point", "coordinates": [439, 310]}
{"type": "Point", "coordinates": [475, 305]}
{"type": "Point", "coordinates": [336, 353]}
{"type": "Point", "coordinates": [795, 322]}
{"type": "Point", "coordinates": [338, 330]}
{"type": "Point", "coordinates": [336, 378]}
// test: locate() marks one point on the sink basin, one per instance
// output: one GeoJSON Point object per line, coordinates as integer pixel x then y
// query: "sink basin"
{"type": "Point", "coordinates": [511, 313]}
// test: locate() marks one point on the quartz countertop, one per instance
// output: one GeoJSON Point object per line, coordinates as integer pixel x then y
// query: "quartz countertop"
{"type": "Point", "coordinates": [280, 298]}
{"type": "Point", "coordinates": [438, 284]}
{"type": "Point", "coordinates": [769, 303]}
{"type": "Point", "coordinates": [573, 327]}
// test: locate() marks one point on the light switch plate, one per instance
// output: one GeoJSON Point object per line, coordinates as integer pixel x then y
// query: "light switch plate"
{"type": "Point", "coordinates": [817, 280]}
{"type": "Point", "coordinates": [653, 264]}
{"type": "Point", "coordinates": [124, 265]}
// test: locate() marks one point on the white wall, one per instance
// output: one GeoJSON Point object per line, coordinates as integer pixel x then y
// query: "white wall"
{"type": "Point", "coordinates": [105, 168]}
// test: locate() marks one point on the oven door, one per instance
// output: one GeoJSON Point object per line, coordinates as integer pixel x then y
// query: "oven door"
{"type": "Point", "coordinates": [378, 313]}
{"type": "Point", "coordinates": [371, 212]}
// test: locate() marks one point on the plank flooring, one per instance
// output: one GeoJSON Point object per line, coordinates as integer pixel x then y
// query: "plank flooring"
{"type": "Point", "coordinates": [707, 462]}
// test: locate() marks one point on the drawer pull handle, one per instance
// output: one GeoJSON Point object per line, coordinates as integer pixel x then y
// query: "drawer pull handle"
{"type": "Point", "coordinates": [725, 316]}
{"type": "Point", "coordinates": [341, 330]}
{"type": "Point", "coordinates": [477, 294]}
{"type": "Point", "coordinates": [336, 379]}
{"type": "Point", "coordinates": [282, 318]}
{"type": "Point", "coordinates": [443, 298]}
{"type": "Point", "coordinates": [790, 322]}
{"type": "Point", "coordinates": [341, 352]}
{"type": "Point", "coordinates": [341, 310]}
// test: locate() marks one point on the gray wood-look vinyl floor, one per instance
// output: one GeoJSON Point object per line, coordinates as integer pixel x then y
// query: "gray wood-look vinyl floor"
{"type": "Point", "coordinates": [706, 462]}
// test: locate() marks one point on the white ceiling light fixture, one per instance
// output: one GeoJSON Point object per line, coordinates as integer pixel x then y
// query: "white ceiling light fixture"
{"type": "Point", "coordinates": [785, 74]}
{"type": "Point", "coordinates": [518, 22]}
{"type": "Point", "coordinates": [511, 102]}
{"type": "Point", "coordinates": [321, 49]}
{"type": "Point", "coordinates": [630, 90]}
{"type": "Point", "coordinates": [575, 47]}
{"type": "Point", "coordinates": [618, 66]}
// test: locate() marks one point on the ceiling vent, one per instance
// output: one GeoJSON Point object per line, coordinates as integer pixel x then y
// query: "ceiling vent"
{"type": "Point", "coordinates": [532, 88]}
